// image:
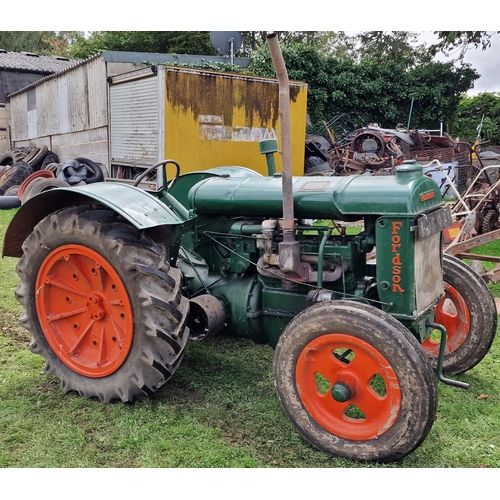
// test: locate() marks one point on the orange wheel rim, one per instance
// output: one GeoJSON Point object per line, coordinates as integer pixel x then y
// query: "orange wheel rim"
{"type": "Point", "coordinates": [453, 313]}
{"type": "Point", "coordinates": [84, 311]}
{"type": "Point", "coordinates": [339, 360]}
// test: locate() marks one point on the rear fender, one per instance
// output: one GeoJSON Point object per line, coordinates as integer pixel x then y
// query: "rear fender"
{"type": "Point", "coordinates": [140, 208]}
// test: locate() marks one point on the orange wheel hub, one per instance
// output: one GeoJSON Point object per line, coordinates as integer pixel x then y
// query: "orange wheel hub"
{"type": "Point", "coordinates": [453, 313]}
{"type": "Point", "coordinates": [84, 311]}
{"type": "Point", "coordinates": [348, 387]}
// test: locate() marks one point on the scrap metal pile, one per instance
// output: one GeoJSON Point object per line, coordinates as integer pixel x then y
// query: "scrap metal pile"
{"type": "Point", "coordinates": [341, 148]}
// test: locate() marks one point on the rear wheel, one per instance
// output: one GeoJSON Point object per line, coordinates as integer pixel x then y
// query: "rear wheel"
{"type": "Point", "coordinates": [103, 307]}
{"type": "Point", "coordinates": [355, 382]}
{"type": "Point", "coordinates": [468, 312]}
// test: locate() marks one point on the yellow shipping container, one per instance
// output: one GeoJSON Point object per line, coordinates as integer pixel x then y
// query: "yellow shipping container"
{"type": "Point", "coordinates": [202, 119]}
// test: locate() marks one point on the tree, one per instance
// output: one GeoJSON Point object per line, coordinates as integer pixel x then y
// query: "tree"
{"type": "Point", "coordinates": [461, 40]}
{"type": "Point", "coordinates": [198, 42]}
{"type": "Point", "coordinates": [472, 111]}
{"type": "Point", "coordinates": [372, 91]}
{"type": "Point", "coordinates": [398, 47]}
{"type": "Point", "coordinates": [38, 42]}
{"type": "Point", "coordinates": [173, 42]}
{"type": "Point", "coordinates": [328, 42]}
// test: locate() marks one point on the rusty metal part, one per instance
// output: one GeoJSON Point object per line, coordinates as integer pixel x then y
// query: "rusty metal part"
{"type": "Point", "coordinates": [368, 141]}
{"type": "Point", "coordinates": [207, 317]}
{"type": "Point", "coordinates": [464, 246]}
{"type": "Point", "coordinates": [306, 273]}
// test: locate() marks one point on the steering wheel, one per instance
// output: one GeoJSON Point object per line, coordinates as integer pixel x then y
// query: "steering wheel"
{"type": "Point", "coordinates": [162, 163]}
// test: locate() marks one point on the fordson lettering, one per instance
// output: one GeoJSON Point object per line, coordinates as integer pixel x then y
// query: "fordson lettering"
{"type": "Point", "coordinates": [396, 260]}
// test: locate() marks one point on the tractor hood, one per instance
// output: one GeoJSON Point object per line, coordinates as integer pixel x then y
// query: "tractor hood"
{"type": "Point", "coordinates": [408, 192]}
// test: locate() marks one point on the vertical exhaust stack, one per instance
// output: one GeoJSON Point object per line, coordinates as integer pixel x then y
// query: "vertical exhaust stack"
{"type": "Point", "coordinates": [289, 249]}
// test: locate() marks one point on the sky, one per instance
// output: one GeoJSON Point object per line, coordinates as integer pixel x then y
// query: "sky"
{"type": "Point", "coordinates": [486, 62]}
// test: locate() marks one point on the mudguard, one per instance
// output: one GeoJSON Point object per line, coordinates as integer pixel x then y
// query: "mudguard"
{"type": "Point", "coordinates": [140, 208]}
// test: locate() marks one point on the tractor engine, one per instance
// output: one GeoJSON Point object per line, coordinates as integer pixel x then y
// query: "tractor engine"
{"type": "Point", "coordinates": [237, 250]}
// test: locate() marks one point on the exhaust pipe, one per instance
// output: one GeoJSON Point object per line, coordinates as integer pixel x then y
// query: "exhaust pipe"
{"type": "Point", "coordinates": [289, 249]}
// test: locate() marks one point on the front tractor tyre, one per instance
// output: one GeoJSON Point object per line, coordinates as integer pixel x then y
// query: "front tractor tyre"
{"type": "Point", "coordinates": [468, 312]}
{"type": "Point", "coordinates": [354, 382]}
{"type": "Point", "coordinates": [102, 304]}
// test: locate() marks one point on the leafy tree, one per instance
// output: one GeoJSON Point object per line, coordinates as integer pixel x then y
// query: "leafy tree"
{"type": "Point", "coordinates": [472, 111]}
{"type": "Point", "coordinates": [173, 42]}
{"type": "Point", "coordinates": [398, 47]}
{"type": "Point", "coordinates": [38, 42]}
{"type": "Point", "coordinates": [328, 42]}
{"type": "Point", "coordinates": [371, 91]}
{"type": "Point", "coordinates": [461, 40]}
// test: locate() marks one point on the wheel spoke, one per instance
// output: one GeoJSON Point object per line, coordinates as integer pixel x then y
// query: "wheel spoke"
{"type": "Point", "coordinates": [64, 285]}
{"type": "Point", "coordinates": [79, 341]}
{"type": "Point", "coordinates": [101, 277]}
{"type": "Point", "coordinates": [57, 317]}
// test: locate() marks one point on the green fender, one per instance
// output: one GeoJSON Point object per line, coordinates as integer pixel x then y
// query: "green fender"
{"type": "Point", "coordinates": [140, 208]}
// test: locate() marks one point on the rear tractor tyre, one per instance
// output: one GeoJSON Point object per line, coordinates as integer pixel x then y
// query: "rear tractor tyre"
{"type": "Point", "coordinates": [103, 307]}
{"type": "Point", "coordinates": [468, 312]}
{"type": "Point", "coordinates": [355, 382]}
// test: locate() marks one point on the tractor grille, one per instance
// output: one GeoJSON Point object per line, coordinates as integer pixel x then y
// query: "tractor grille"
{"type": "Point", "coordinates": [428, 272]}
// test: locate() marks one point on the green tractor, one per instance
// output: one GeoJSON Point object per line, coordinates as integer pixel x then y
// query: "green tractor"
{"type": "Point", "coordinates": [114, 280]}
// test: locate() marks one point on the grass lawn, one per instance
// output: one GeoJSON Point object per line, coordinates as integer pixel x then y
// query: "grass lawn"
{"type": "Point", "coordinates": [219, 410]}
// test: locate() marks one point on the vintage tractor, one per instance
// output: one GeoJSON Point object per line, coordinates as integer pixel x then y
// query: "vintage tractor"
{"type": "Point", "coordinates": [114, 280]}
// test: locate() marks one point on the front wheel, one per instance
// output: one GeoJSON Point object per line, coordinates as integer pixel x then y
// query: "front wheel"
{"type": "Point", "coordinates": [102, 305]}
{"type": "Point", "coordinates": [468, 312]}
{"type": "Point", "coordinates": [355, 382]}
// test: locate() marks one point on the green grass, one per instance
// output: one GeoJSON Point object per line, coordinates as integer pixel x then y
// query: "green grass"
{"type": "Point", "coordinates": [219, 410]}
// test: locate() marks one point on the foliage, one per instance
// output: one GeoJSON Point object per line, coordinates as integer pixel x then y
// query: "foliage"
{"type": "Point", "coordinates": [37, 42]}
{"type": "Point", "coordinates": [370, 91]}
{"type": "Point", "coordinates": [472, 111]}
{"type": "Point", "coordinates": [170, 42]}
{"type": "Point", "coordinates": [327, 42]}
{"type": "Point", "coordinates": [461, 41]}
{"type": "Point", "coordinates": [399, 47]}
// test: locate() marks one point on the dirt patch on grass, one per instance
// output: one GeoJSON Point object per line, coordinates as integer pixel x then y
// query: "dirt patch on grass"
{"type": "Point", "coordinates": [11, 328]}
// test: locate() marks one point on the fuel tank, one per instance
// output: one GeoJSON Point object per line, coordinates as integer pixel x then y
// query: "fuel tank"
{"type": "Point", "coordinates": [409, 192]}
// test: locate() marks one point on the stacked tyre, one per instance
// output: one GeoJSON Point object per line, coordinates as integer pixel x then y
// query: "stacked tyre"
{"type": "Point", "coordinates": [28, 171]}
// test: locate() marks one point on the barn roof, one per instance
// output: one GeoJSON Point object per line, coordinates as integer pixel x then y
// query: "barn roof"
{"type": "Point", "coordinates": [33, 63]}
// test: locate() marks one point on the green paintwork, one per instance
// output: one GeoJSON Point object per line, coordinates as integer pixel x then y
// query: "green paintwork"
{"type": "Point", "coordinates": [341, 392]}
{"type": "Point", "coordinates": [341, 198]}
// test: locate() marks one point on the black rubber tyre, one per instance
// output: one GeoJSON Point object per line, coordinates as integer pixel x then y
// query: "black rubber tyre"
{"type": "Point", "coordinates": [490, 222]}
{"type": "Point", "coordinates": [7, 202]}
{"type": "Point", "coordinates": [470, 316]}
{"type": "Point", "coordinates": [315, 164]}
{"type": "Point", "coordinates": [35, 158]}
{"type": "Point", "coordinates": [11, 157]}
{"type": "Point", "coordinates": [14, 176]}
{"type": "Point", "coordinates": [156, 333]}
{"type": "Point", "coordinates": [97, 176]}
{"type": "Point", "coordinates": [49, 158]}
{"type": "Point", "coordinates": [377, 350]}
